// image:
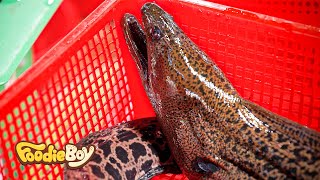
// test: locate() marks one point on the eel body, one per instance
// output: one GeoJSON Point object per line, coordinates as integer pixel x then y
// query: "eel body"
{"type": "Point", "coordinates": [129, 151]}
{"type": "Point", "coordinates": [213, 133]}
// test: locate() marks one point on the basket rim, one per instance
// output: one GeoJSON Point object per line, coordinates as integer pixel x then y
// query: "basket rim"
{"type": "Point", "coordinates": [64, 46]}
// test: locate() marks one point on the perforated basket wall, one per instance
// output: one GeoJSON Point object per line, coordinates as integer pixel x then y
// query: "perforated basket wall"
{"type": "Point", "coordinates": [89, 81]}
{"type": "Point", "coordinates": [303, 11]}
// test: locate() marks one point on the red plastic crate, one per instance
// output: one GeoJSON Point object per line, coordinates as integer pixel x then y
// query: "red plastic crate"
{"type": "Point", "coordinates": [69, 14]}
{"type": "Point", "coordinates": [303, 11]}
{"type": "Point", "coordinates": [89, 81]}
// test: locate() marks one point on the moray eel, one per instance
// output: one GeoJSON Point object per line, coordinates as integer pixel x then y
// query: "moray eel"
{"type": "Point", "coordinates": [132, 150]}
{"type": "Point", "coordinates": [213, 133]}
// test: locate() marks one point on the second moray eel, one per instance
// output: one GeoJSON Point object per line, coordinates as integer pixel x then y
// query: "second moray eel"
{"type": "Point", "coordinates": [212, 131]}
{"type": "Point", "coordinates": [128, 151]}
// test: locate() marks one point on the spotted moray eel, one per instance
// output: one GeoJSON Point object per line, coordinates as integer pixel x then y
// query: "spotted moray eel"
{"type": "Point", "coordinates": [213, 133]}
{"type": "Point", "coordinates": [131, 150]}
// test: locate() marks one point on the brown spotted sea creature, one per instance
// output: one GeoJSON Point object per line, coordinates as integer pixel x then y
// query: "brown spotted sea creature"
{"type": "Point", "coordinates": [211, 130]}
{"type": "Point", "coordinates": [131, 150]}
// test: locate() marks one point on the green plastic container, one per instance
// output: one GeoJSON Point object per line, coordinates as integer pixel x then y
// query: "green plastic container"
{"type": "Point", "coordinates": [21, 23]}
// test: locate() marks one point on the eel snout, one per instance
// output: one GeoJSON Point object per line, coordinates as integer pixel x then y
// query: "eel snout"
{"type": "Point", "coordinates": [137, 43]}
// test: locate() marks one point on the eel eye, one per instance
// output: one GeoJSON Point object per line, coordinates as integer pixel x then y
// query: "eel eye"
{"type": "Point", "coordinates": [155, 33]}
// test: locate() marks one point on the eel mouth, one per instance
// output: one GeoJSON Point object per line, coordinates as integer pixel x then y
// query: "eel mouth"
{"type": "Point", "coordinates": [137, 42]}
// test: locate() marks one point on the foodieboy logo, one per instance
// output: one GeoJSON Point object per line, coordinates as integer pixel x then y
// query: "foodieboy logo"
{"type": "Point", "coordinates": [75, 157]}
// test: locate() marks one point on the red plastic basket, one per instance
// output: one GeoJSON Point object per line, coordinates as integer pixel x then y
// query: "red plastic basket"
{"type": "Point", "coordinates": [303, 11]}
{"type": "Point", "coordinates": [89, 81]}
{"type": "Point", "coordinates": [69, 14]}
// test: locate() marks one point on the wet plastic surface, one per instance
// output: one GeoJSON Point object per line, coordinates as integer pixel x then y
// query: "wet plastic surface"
{"type": "Point", "coordinates": [89, 81]}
